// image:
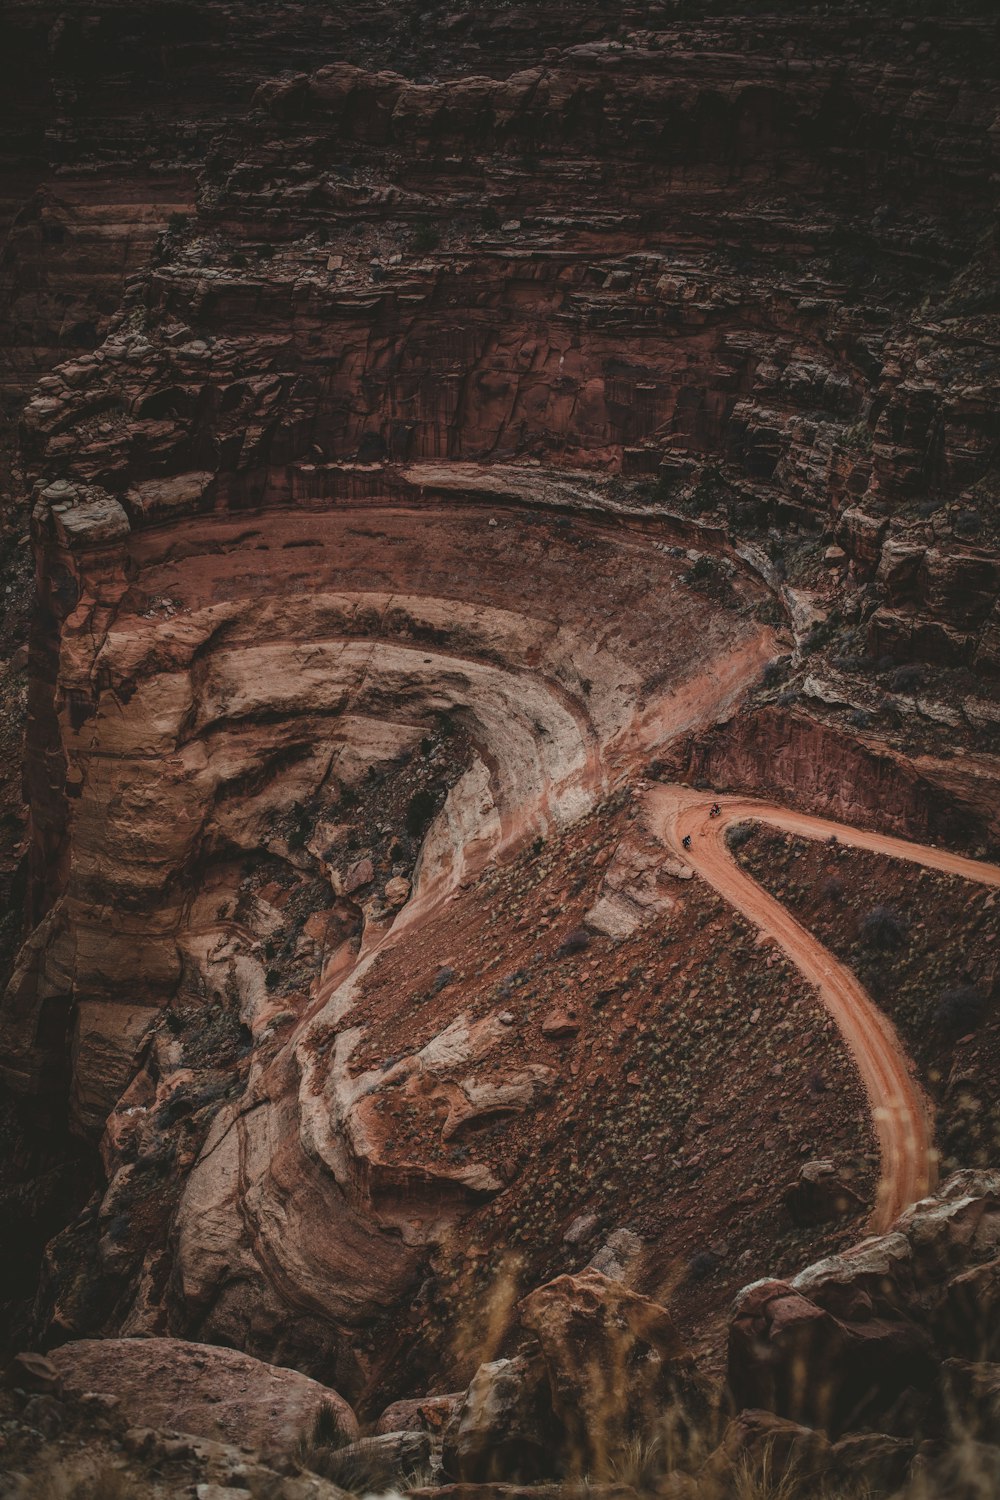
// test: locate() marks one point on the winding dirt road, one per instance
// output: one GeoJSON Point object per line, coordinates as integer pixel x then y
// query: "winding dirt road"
{"type": "Point", "coordinates": [899, 1107]}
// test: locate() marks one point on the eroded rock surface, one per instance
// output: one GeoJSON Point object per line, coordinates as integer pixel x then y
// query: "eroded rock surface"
{"type": "Point", "coordinates": [854, 1338]}
{"type": "Point", "coordinates": [211, 1392]}
{"type": "Point", "coordinates": [442, 421]}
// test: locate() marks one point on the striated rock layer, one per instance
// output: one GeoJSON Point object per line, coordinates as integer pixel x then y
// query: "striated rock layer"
{"type": "Point", "coordinates": [439, 449]}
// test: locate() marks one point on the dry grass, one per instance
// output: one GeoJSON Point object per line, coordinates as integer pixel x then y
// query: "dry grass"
{"type": "Point", "coordinates": [73, 1480]}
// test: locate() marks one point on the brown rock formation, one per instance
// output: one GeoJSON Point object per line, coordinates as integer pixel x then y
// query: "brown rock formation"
{"type": "Point", "coordinates": [440, 419]}
{"type": "Point", "coordinates": [217, 1393]}
{"type": "Point", "coordinates": [854, 1337]}
{"type": "Point", "coordinates": [602, 1367]}
{"type": "Point", "coordinates": [615, 1367]}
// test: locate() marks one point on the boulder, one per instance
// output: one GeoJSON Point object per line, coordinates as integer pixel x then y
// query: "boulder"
{"type": "Point", "coordinates": [768, 1449]}
{"type": "Point", "coordinates": [820, 1194]}
{"type": "Point", "coordinates": [357, 876]}
{"type": "Point", "coordinates": [561, 1023]}
{"type": "Point", "coordinates": [616, 1369]}
{"type": "Point", "coordinates": [618, 1256]}
{"type": "Point", "coordinates": [397, 891]}
{"type": "Point", "coordinates": [35, 1373]}
{"type": "Point", "coordinates": [789, 1355]}
{"type": "Point", "coordinates": [383, 1462]}
{"type": "Point", "coordinates": [861, 536]}
{"type": "Point", "coordinates": [201, 1389]}
{"type": "Point", "coordinates": [503, 1428]}
{"type": "Point", "coordinates": [422, 1414]}
{"type": "Point", "coordinates": [872, 1460]}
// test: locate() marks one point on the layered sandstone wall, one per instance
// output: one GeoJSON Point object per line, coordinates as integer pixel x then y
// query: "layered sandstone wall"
{"type": "Point", "coordinates": [454, 422]}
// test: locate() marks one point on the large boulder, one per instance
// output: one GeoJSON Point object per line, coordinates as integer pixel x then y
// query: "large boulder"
{"type": "Point", "coordinates": [819, 1194]}
{"type": "Point", "coordinates": [616, 1369]}
{"type": "Point", "coordinates": [759, 1447]}
{"type": "Point", "coordinates": [603, 1367]}
{"type": "Point", "coordinates": [503, 1429]}
{"type": "Point", "coordinates": [420, 1414]}
{"type": "Point", "coordinates": [790, 1355]}
{"type": "Point", "coordinates": [201, 1389]}
{"type": "Point", "coordinates": [859, 1338]}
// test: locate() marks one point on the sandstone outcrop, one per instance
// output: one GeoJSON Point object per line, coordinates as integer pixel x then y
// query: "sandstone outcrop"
{"type": "Point", "coordinates": [860, 1338]}
{"type": "Point", "coordinates": [602, 1367]}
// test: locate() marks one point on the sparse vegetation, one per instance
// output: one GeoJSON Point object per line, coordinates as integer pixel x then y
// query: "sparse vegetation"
{"type": "Point", "coordinates": [574, 942]}
{"type": "Point", "coordinates": [961, 1008]}
{"type": "Point", "coordinates": [882, 928]}
{"type": "Point", "coordinates": [326, 1437]}
{"type": "Point", "coordinates": [738, 834]}
{"type": "Point", "coordinates": [906, 679]}
{"type": "Point", "coordinates": [425, 237]}
{"type": "Point", "coordinates": [858, 438]}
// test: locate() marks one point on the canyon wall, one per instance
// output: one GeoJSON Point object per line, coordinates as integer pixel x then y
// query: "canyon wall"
{"type": "Point", "coordinates": [415, 456]}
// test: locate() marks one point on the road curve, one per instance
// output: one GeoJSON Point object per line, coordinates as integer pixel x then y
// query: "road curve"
{"type": "Point", "coordinates": [899, 1107]}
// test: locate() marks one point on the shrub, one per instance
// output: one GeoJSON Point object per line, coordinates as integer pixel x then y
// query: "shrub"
{"type": "Point", "coordinates": [906, 679]}
{"type": "Point", "coordinates": [739, 834]}
{"type": "Point", "coordinates": [327, 1431]}
{"type": "Point", "coordinates": [425, 237]}
{"type": "Point", "coordinates": [420, 812]}
{"type": "Point", "coordinates": [833, 889]}
{"type": "Point", "coordinates": [316, 1451]}
{"type": "Point", "coordinates": [883, 928]}
{"type": "Point", "coordinates": [774, 672]}
{"type": "Point", "coordinates": [703, 568]}
{"type": "Point", "coordinates": [858, 437]}
{"type": "Point", "coordinates": [967, 523]}
{"type": "Point", "coordinates": [961, 1008]}
{"type": "Point", "coordinates": [443, 977]}
{"type": "Point", "coordinates": [702, 1265]}
{"type": "Point", "coordinates": [574, 942]}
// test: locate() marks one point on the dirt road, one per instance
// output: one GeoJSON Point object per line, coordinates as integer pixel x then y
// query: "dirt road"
{"type": "Point", "coordinates": [899, 1108]}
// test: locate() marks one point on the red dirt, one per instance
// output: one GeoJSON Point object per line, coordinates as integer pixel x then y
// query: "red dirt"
{"type": "Point", "coordinates": [898, 1106]}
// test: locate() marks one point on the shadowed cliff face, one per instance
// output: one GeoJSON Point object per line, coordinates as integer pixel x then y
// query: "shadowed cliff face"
{"type": "Point", "coordinates": [218, 675]}
{"type": "Point", "coordinates": [438, 447]}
